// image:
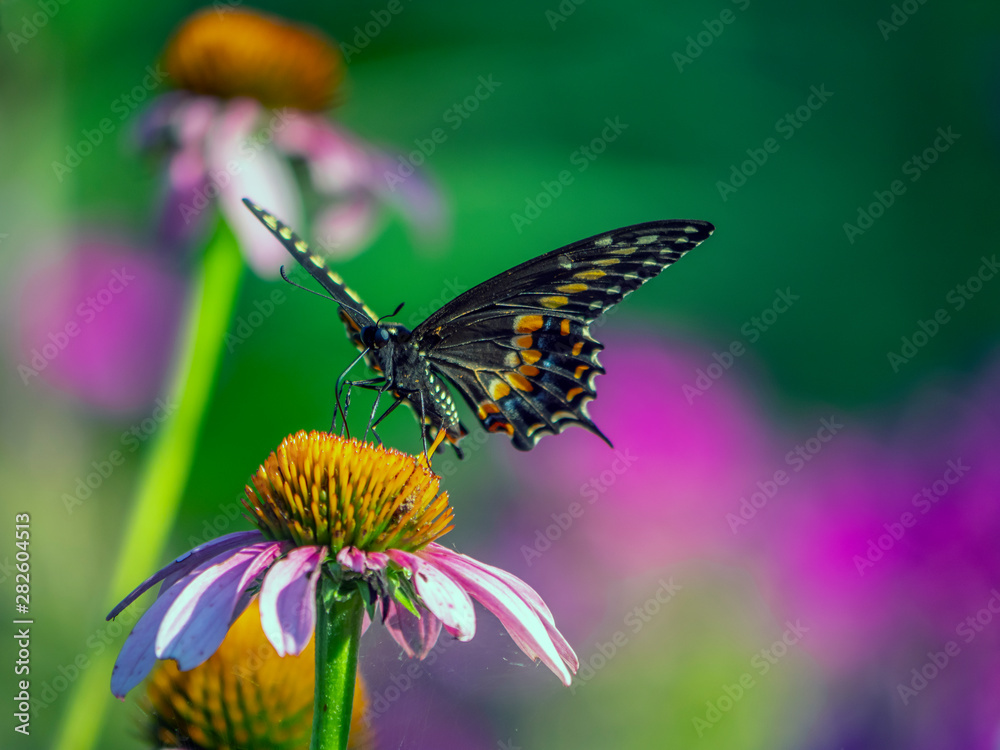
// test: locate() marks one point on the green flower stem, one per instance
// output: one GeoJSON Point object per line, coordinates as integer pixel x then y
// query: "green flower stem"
{"type": "Point", "coordinates": [338, 633]}
{"type": "Point", "coordinates": [164, 473]}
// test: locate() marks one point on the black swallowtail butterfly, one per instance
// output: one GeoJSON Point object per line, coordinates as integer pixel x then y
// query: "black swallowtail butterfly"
{"type": "Point", "coordinates": [517, 347]}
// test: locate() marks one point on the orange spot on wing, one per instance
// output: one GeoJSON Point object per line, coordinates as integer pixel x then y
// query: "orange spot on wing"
{"type": "Point", "coordinates": [577, 348]}
{"type": "Point", "coordinates": [486, 409]}
{"type": "Point", "coordinates": [498, 390]}
{"type": "Point", "coordinates": [528, 323]}
{"type": "Point", "coordinates": [529, 370]}
{"type": "Point", "coordinates": [524, 342]}
{"type": "Point", "coordinates": [580, 370]}
{"type": "Point", "coordinates": [519, 381]}
{"type": "Point", "coordinates": [531, 356]}
{"type": "Point", "coordinates": [501, 427]}
{"type": "Point", "coordinates": [564, 327]}
{"type": "Point", "coordinates": [573, 393]}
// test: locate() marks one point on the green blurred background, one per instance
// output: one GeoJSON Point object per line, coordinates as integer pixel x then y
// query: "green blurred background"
{"type": "Point", "coordinates": [563, 70]}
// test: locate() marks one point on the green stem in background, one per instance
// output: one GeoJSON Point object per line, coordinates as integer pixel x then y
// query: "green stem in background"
{"type": "Point", "coordinates": [338, 634]}
{"type": "Point", "coordinates": [165, 471]}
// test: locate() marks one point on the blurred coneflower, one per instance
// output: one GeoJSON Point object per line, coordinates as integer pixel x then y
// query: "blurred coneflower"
{"type": "Point", "coordinates": [243, 696]}
{"type": "Point", "coordinates": [250, 94]}
{"type": "Point", "coordinates": [346, 528]}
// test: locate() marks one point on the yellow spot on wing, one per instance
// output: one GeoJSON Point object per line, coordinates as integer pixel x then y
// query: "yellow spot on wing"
{"type": "Point", "coordinates": [498, 390]}
{"type": "Point", "coordinates": [571, 288]}
{"type": "Point", "coordinates": [528, 323]}
{"type": "Point", "coordinates": [519, 381]}
{"type": "Point", "coordinates": [580, 370]}
{"type": "Point", "coordinates": [531, 356]}
{"type": "Point", "coordinates": [623, 251]}
{"type": "Point", "coordinates": [607, 262]}
{"type": "Point", "coordinates": [553, 302]}
{"type": "Point", "coordinates": [285, 233]}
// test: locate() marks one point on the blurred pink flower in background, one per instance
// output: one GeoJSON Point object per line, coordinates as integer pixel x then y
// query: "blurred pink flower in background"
{"type": "Point", "coordinates": [100, 324]}
{"type": "Point", "coordinates": [680, 462]}
{"type": "Point", "coordinates": [250, 92]}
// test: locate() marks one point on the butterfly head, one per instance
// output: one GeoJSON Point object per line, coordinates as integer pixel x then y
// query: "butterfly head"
{"type": "Point", "coordinates": [375, 337]}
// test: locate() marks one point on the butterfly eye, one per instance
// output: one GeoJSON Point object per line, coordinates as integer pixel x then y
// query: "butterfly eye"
{"type": "Point", "coordinates": [381, 337]}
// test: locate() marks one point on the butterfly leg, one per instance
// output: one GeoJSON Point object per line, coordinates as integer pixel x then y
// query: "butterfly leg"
{"type": "Point", "coordinates": [385, 414]}
{"type": "Point", "coordinates": [337, 391]}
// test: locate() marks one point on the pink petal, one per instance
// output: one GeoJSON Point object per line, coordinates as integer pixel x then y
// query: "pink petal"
{"type": "Point", "coordinates": [188, 562]}
{"type": "Point", "coordinates": [240, 165]}
{"type": "Point", "coordinates": [352, 558]}
{"type": "Point", "coordinates": [415, 635]}
{"type": "Point", "coordinates": [528, 630]}
{"type": "Point", "coordinates": [288, 599]}
{"type": "Point", "coordinates": [343, 230]}
{"type": "Point", "coordinates": [199, 618]}
{"type": "Point", "coordinates": [445, 599]}
{"type": "Point", "coordinates": [138, 655]}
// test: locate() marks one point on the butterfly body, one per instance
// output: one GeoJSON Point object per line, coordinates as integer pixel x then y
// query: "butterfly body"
{"type": "Point", "coordinates": [518, 347]}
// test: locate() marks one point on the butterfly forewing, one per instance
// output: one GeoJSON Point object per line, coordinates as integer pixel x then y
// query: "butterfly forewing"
{"type": "Point", "coordinates": [518, 346]}
{"type": "Point", "coordinates": [354, 313]}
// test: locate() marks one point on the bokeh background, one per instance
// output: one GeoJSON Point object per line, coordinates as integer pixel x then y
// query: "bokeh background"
{"type": "Point", "coordinates": [794, 542]}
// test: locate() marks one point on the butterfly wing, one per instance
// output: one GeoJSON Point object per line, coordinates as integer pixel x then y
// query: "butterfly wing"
{"type": "Point", "coordinates": [353, 312]}
{"type": "Point", "coordinates": [518, 347]}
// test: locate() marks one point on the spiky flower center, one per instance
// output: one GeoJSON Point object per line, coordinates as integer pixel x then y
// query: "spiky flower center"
{"type": "Point", "coordinates": [321, 489]}
{"type": "Point", "coordinates": [238, 52]}
{"type": "Point", "coordinates": [244, 696]}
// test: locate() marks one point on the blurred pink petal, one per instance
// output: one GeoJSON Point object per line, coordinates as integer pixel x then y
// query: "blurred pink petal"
{"type": "Point", "coordinates": [288, 599]}
{"type": "Point", "coordinates": [101, 324]}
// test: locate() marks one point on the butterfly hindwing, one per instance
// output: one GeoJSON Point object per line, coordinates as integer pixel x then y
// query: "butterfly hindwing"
{"type": "Point", "coordinates": [354, 313]}
{"type": "Point", "coordinates": [519, 348]}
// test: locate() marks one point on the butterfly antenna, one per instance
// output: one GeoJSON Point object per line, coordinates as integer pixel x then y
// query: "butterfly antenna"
{"type": "Point", "coordinates": [303, 288]}
{"type": "Point", "coordinates": [393, 314]}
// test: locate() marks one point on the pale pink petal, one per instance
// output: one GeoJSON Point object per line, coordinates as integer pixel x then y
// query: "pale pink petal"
{"type": "Point", "coordinates": [337, 163]}
{"type": "Point", "coordinates": [352, 558]}
{"type": "Point", "coordinates": [528, 630]}
{"type": "Point", "coordinates": [199, 618]}
{"type": "Point", "coordinates": [415, 635]}
{"type": "Point", "coordinates": [242, 162]}
{"type": "Point", "coordinates": [188, 562]}
{"type": "Point", "coordinates": [288, 599]}
{"type": "Point", "coordinates": [138, 654]}
{"type": "Point", "coordinates": [445, 599]}
{"type": "Point", "coordinates": [343, 229]}
{"type": "Point", "coordinates": [361, 562]}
